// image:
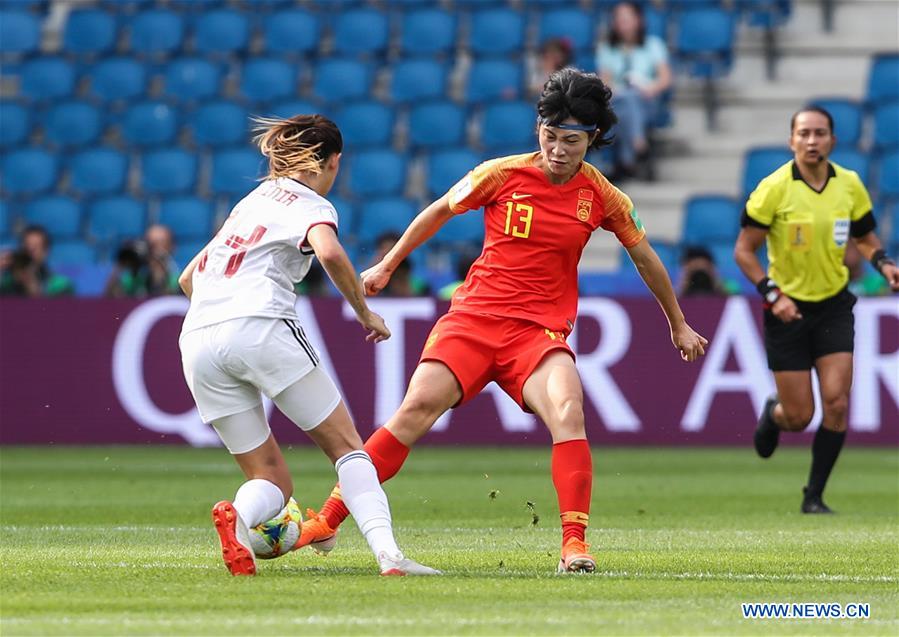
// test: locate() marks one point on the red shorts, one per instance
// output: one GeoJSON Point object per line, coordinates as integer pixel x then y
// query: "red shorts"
{"type": "Point", "coordinates": [480, 348]}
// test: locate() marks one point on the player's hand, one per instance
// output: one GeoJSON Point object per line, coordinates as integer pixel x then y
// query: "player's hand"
{"type": "Point", "coordinates": [690, 344]}
{"type": "Point", "coordinates": [891, 274]}
{"type": "Point", "coordinates": [374, 325]}
{"type": "Point", "coordinates": [375, 279]}
{"type": "Point", "coordinates": [785, 309]}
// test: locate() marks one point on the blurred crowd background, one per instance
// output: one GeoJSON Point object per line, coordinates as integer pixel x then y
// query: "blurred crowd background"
{"type": "Point", "coordinates": [126, 135]}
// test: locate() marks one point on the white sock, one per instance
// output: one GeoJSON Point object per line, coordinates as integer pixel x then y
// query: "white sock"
{"type": "Point", "coordinates": [257, 501]}
{"type": "Point", "coordinates": [367, 502]}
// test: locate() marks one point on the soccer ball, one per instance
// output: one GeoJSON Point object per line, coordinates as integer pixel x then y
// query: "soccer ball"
{"type": "Point", "coordinates": [277, 536]}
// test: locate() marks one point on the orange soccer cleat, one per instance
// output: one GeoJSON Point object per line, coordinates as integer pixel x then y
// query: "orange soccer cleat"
{"type": "Point", "coordinates": [235, 539]}
{"type": "Point", "coordinates": [317, 534]}
{"type": "Point", "coordinates": [575, 558]}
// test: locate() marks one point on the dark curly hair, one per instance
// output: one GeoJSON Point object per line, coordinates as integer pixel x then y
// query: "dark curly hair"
{"type": "Point", "coordinates": [583, 96]}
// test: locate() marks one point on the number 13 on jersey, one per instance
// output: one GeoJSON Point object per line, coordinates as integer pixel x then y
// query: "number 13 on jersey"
{"type": "Point", "coordinates": [521, 226]}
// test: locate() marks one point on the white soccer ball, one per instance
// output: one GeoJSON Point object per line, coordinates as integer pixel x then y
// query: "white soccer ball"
{"type": "Point", "coordinates": [277, 536]}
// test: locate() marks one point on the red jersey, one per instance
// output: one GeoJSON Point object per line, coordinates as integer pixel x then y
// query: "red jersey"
{"type": "Point", "coordinates": [534, 234]}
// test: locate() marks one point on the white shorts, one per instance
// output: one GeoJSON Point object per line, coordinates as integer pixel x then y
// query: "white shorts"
{"type": "Point", "coordinates": [228, 364]}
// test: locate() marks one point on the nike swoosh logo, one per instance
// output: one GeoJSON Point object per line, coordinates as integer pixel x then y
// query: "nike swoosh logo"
{"type": "Point", "coordinates": [515, 195]}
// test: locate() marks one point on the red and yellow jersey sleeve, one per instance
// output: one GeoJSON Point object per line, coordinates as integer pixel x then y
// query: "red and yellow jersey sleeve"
{"type": "Point", "coordinates": [619, 215]}
{"type": "Point", "coordinates": [479, 186]}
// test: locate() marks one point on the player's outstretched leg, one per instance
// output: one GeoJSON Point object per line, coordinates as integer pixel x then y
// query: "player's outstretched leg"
{"type": "Point", "coordinates": [261, 497]}
{"type": "Point", "coordinates": [767, 433]}
{"type": "Point", "coordinates": [388, 455]}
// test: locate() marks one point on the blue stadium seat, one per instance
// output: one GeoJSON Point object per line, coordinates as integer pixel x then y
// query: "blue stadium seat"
{"type": "Point", "coordinates": [705, 40]}
{"type": "Point", "coordinates": [265, 80]}
{"type": "Point", "coordinates": [416, 80]}
{"type": "Point", "coordinates": [47, 79]}
{"type": "Point", "coordinates": [60, 215]}
{"type": "Point", "coordinates": [15, 124]}
{"type": "Point", "coordinates": [168, 171]}
{"type": "Point", "coordinates": [220, 124]}
{"type": "Point", "coordinates": [446, 167]}
{"type": "Point", "coordinates": [118, 79]}
{"type": "Point", "coordinates": [112, 219]}
{"type": "Point", "coordinates": [190, 79]}
{"type": "Point", "coordinates": [185, 252]}
{"type": "Point", "coordinates": [150, 124]}
{"type": "Point", "coordinates": [656, 21]}
{"type": "Point", "coordinates": [98, 171]}
{"type": "Point", "coordinates": [891, 212]}
{"type": "Point", "coordinates": [427, 32]}
{"type": "Point", "coordinates": [29, 171]}
{"type": "Point", "coordinates": [365, 124]}
{"type": "Point", "coordinates": [886, 126]}
{"type": "Point", "coordinates": [436, 125]}
{"type": "Point", "coordinates": [490, 80]}
{"type": "Point", "coordinates": [883, 78]}
{"type": "Point", "coordinates": [221, 32]}
{"type": "Point", "coordinates": [464, 228]}
{"type": "Point", "coordinates": [379, 216]}
{"type": "Point", "coordinates": [20, 33]}
{"type": "Point", "coordinates": [761, 162]}
{"type": "Point", "coordinates": [126, 6]}
{"type": "Point", "coordinates": [361, 31]}
{"type": "Point", "coordinates": [89, 32]}
{"type": "Point", "coordinates": [289, 108]}
{"type": "Point", "coordinates": [847, 119]}
{"type": "Point", "coordinates": [68, 253]}
{"type": "Point", "coordinates": [710, 218]}
{"type": "Point", "coordinates": [377, 173]}
{"type": "Point", "coordinates": [190, 218]}
{"type": "Point", "coordinates": [235, 172]}
{"type": "Point", "coordinates": [888, 176]}
{"type": "Point", "coordinates": [338, 80]}
{"type": "Point", "coordinates": [73, 123]}
{"type": "Point", "coordinates": [198, 6]}
{"type": "Point", "coordinates": [156, 32]}
{"type": "Point", "coordinates": [509, 125]}
{"type": "Point", "coordinates": [5, 222]}
{"type": "Point", "coordinates": [346, 215]}
{"type": "Point", "coordinates": [293, 31]}
{"type": "Point", "coordinates": [571, 23]}
{"type": "Point", "coordinates": [498, 31]}
{"type": "Point", "coordinates": [853, 160]}
{"type": "Point", "coordinates": [765, 13]}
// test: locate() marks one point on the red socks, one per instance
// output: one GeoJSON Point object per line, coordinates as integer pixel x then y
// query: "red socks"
{"type": "Point", "coordinates": [572, 471]}
{"type": "Point", "coordinates": [387, 454]}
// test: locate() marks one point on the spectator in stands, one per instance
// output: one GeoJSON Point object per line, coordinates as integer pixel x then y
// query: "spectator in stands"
{"type": "Point", "coordinates": [465, 262]}
{"type": "Point", "coordinates": [145, 267]}
{"type": "Point", "coordinates": [554, 54]}
{"type": "Point", "coordinates": [403, 282]}
{"type": "Point", "coordinates": [699, 275]}
{"type": "Point", "coordinates": [635, 66]}
{"type": "Point", "coordinates": [26, 272]}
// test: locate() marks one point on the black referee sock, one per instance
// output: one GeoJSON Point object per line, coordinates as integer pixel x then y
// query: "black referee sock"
{"type": "Point", "coordinates": [825, 450]}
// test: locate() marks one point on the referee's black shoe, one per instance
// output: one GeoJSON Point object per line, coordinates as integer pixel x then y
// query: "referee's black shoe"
{"type": "Point", "coordinates": [767, 434]}
{"type": "Point", "coordinates": [812, 503]}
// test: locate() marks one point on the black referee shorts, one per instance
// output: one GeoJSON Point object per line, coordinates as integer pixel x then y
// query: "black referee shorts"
{"type": "Point", "coordinates": [826, 327]}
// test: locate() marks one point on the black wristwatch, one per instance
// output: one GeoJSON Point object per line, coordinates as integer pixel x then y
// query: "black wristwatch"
{"type": "Point", "coordinates": [769, 291]}
{"type": "Point", "coordinates": [880, 259]}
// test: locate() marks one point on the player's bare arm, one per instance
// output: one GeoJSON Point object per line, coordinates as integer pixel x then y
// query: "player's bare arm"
{"type": "Point", "coordinates": [690, 344]}
{"type": "Point", "coordinates": [186, 278]}
{"type": "Point", "coordinates": [422, 228]}
{"type": "Point", "coordinates": [872, 250]}
{"type": "Point", "coordinates": [337, 264]}
{"type": "Point", "coordinates": [746, 249]}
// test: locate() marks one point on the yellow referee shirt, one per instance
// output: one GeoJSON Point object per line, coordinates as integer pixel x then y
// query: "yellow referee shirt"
{"type": "Point", "coordinates": [808, 230]}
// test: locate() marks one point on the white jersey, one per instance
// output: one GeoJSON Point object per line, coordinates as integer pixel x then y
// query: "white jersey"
{"type": "Point", "coordinates": [251, 266]}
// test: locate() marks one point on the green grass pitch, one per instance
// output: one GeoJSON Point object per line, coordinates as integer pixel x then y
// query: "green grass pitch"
{"type": "Point", "coordinates": [105, 541]}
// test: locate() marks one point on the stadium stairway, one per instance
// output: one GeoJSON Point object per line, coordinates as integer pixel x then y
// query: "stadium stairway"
{"type": "Point", "coordinates": [754, 110]}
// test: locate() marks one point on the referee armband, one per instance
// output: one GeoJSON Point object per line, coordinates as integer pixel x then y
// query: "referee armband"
{"type": "Point", "coordinates": [746, 220]}
{"type": "Point", "coordinates": [863, 225]}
